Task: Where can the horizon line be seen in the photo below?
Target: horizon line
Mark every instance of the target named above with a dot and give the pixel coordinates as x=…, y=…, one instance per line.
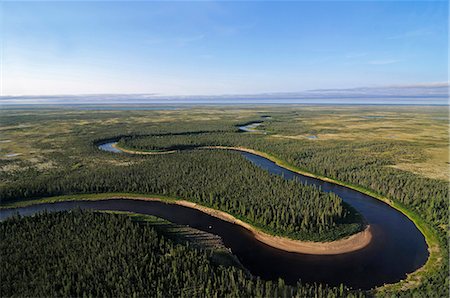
x=442, y=84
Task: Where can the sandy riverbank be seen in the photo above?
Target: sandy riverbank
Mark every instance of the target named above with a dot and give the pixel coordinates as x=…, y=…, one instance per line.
x=353, y=243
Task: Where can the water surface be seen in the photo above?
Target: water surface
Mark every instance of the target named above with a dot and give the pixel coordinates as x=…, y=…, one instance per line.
x=109, y=147
x=250, y=127
x=397, y=247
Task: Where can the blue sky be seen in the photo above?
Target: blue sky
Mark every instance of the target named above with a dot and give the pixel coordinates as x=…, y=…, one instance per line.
x=220, y=47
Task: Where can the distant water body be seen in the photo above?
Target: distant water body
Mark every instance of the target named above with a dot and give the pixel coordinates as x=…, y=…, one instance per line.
x=87, y=103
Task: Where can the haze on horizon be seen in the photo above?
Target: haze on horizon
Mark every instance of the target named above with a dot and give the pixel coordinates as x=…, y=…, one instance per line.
x=218, y=47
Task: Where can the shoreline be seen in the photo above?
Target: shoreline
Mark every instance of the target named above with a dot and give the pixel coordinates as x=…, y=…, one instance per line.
x=141, y=152
x=434, y=249
x=349, y=244
x=346, y=245
x=412, y=279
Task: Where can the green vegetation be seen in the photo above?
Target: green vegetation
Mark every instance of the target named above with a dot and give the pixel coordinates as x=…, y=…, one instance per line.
x=396, y=153
x=82, y=253
x=220, y=180
x=180, y=141
x=370, y=168
x=185, y=235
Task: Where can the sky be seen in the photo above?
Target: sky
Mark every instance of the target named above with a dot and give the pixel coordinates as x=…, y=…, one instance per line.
x=225, y=47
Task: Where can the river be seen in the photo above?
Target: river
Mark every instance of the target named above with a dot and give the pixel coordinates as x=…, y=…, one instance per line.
x=397, y=246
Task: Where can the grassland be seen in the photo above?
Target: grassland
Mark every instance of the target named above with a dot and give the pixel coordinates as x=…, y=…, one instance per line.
x=426, y=128
x=31, y=140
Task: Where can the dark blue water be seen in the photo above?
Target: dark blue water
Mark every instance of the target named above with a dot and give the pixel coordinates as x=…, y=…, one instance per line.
x=397, y=246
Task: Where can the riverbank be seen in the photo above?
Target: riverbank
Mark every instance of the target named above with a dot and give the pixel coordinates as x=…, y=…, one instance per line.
x=435, y=253
x=141, y=152
x=353, y=243
x=413, y=279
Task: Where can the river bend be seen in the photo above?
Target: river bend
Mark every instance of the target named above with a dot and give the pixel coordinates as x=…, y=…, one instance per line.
x=397, y=246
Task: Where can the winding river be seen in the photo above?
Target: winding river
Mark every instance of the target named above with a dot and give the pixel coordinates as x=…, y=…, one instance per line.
x=251, y=127
x=397, y=246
